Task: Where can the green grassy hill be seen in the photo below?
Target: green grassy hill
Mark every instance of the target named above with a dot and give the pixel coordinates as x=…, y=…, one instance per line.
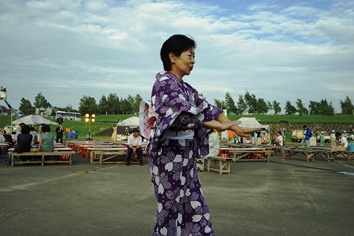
x=107, y=121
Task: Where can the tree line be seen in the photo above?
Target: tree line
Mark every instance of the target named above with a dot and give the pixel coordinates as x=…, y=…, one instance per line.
x=247, y=103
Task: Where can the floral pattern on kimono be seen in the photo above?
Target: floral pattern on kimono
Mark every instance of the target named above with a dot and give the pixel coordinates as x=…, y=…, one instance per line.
x=182, y=209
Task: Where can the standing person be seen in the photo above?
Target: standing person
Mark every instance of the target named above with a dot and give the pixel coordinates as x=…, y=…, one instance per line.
x=283, y=134
x=307, y=136
x=279, y=139
x=46, y=140
x=332, y=136
x=59, y=131
x=180, y=132
x=134, y=146
x=322, y=139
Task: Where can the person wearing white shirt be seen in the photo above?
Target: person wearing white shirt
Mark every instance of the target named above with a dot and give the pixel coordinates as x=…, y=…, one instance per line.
x=341, y=140
x=2, y=139
x=214, y=146
x=134, y=146
x=332, y=136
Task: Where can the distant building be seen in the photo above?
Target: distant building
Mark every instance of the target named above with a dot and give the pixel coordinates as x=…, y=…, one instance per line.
x=44, y=111
x=4, y=111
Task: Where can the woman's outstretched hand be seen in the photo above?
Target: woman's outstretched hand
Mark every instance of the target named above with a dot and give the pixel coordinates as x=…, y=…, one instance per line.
x=214, y=124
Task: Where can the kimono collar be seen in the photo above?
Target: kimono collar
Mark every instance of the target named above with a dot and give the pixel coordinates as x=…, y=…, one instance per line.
x=171, y=75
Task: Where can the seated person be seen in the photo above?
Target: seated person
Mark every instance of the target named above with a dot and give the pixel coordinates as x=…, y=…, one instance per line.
x=214, y=146
x=134, y=146
x=34, y=137
x=341, y=141
x=46, y=140
x=279, y=139
x=8, y=139
x=18, y=131
x=24, y=140
x=2, y=138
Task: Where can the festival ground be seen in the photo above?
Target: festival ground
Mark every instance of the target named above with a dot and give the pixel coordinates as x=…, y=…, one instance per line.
x=291, y=197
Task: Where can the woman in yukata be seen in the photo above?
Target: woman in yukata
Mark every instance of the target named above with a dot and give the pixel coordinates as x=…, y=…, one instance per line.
x=181, y=124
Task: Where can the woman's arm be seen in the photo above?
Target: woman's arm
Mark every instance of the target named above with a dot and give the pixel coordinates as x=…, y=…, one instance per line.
x=225, y=123
x=214, y=124
x=40, y=144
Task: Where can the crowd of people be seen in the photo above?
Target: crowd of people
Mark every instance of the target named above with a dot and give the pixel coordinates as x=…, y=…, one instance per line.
x=27, y=139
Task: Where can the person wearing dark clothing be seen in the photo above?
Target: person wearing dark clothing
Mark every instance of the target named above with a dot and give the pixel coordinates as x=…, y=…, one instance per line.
x=59, y=130
x=306, y=137
x=23, y=144
x=134, y=146
x=8, y=138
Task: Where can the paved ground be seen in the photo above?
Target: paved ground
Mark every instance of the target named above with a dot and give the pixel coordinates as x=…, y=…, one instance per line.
x=277, y=198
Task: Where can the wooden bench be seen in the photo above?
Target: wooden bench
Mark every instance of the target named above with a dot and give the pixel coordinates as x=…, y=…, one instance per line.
x=349, y=155
x=42, y=156
x=96, y=154
x=219, y=164
x=249, y=154
x=308, y=153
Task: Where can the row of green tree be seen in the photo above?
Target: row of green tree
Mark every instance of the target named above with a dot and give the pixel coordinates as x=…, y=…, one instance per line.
x=111, y=104
x=247, y=103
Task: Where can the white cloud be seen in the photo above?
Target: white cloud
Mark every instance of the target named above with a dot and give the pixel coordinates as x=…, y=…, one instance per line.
x=68, y=49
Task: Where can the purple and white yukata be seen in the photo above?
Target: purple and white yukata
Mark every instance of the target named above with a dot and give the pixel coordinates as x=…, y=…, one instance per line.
x=172, y=150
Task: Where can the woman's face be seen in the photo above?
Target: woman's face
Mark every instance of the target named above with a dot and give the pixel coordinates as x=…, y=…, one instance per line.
x=183, y=65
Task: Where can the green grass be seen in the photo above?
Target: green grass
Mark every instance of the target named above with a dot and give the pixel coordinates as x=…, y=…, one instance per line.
x=101, y=123
x=106, y=121
x=339, y=119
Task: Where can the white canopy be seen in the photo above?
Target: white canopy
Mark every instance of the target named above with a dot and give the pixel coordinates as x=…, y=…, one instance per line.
x=131, y=122
x=34, y=120
x=251, y=122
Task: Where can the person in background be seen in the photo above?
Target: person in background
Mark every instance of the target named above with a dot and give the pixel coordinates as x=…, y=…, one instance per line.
x=341, y=141
x=307, y=136
x=59, y=131
x=40, y=131
x=24, y=140
x=344, y=134
x=18, y=131
x=283, y=134
x=322, y=139
x=279, y=139
x=46, y=140
x=352, y=134
x=2, y=138
x=332, y=136
x=134, y=146
x=214, y=146
x=35, y=139
x=8, y=139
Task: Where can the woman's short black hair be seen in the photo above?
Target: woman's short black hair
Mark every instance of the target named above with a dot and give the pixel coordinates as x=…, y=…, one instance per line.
x=25, y=129
x=175, y=44
x=45, y=128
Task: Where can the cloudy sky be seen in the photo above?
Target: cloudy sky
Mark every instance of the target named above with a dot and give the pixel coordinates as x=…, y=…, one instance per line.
x=276, y=49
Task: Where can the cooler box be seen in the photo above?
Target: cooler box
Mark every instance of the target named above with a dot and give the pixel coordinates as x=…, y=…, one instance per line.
x=351, y=146
x=313, y=142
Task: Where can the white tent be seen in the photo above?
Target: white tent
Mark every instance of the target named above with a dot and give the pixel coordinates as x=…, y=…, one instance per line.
x=251, y=122
x=34, y=120
x=131, y=122
x=120, y=130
